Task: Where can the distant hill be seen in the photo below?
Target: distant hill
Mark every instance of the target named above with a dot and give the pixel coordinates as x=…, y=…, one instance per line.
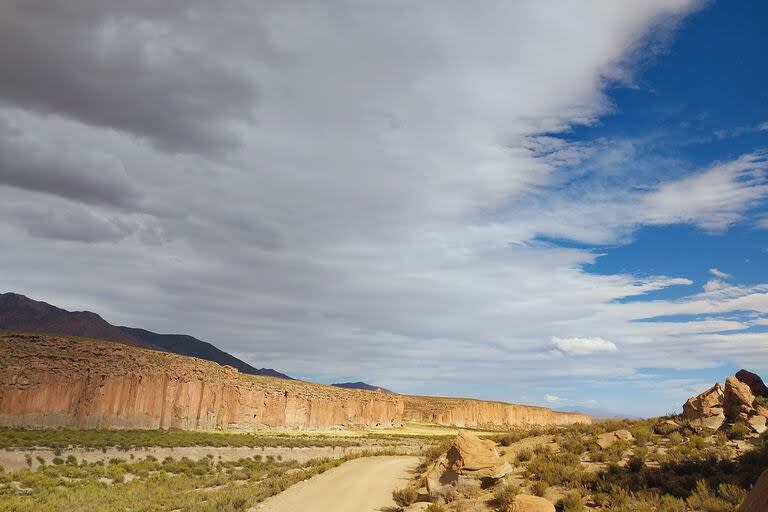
x=361, y=385
x=20, y=313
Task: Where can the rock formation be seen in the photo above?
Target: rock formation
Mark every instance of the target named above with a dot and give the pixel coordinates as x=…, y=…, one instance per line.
x=737, y=401
x=469, y=461
x=755, y=383
x=469, y=413
x=734, y=403
x=708, y=403
x=528, y=503
x=757, y=499
x=608, y=438
x=55, y=381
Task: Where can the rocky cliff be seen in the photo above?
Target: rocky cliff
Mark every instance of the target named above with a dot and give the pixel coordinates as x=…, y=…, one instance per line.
x=464, y=412
x=54, y=381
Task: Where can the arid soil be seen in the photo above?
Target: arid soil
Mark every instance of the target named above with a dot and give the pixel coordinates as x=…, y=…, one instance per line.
x=360, y=485
x=15, y=459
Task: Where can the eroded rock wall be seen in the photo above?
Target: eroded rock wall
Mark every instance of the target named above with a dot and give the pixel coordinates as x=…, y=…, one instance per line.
x=53, y=381
x=461, y=412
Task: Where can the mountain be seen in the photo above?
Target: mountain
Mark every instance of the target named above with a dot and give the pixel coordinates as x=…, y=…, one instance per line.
x=20, y=313
x=361, y=385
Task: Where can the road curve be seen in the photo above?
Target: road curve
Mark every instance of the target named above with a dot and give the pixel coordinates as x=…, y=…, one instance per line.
x=360, y=485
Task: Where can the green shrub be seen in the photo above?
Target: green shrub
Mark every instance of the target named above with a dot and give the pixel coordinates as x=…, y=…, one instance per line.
x=524, y=455
x=434, y=507
x=405, y=496
x=738, y=431
x=675, y=438
x=704, y=500
x=635, y=464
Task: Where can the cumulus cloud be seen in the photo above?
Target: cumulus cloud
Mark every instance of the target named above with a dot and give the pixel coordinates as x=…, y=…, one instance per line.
x=583, y=346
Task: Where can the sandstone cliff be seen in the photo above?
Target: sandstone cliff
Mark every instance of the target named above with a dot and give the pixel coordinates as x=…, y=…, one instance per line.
x=465, y=412
x=53, y=381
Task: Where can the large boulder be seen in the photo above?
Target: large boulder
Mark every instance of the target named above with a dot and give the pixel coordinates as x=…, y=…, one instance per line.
x=607, y=439
x=469, y=461
x=755, y=383
x=528, y=503
x=737, y=400
x=757, y=423
x=710, y=422
x=709, y=403
x=757, y=499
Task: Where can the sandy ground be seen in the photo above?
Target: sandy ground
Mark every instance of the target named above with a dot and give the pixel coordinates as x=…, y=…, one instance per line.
x=13, y=460
x=360, y=485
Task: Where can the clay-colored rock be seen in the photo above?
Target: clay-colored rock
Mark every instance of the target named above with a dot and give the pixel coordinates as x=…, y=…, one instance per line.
x=607, y=439
x=56, y=381
x=667, y=427
x=469, y=413
x=755, y=383
x=762, y=411
x=757, y=499
x=708, y=403
x=737, y=400
x=757, y=423
x=469, y=461
x=528, y=503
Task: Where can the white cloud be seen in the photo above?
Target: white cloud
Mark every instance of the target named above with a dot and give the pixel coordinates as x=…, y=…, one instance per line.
x=552, y=398
x=714, y=284
x=719, y=273
x=583, y=346
x=380, y=215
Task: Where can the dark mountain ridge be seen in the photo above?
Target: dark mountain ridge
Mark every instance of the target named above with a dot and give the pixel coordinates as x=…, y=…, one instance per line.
x=361, y=385
x=20, y=313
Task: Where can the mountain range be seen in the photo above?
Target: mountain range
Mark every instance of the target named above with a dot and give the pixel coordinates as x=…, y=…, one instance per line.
x=20, y=313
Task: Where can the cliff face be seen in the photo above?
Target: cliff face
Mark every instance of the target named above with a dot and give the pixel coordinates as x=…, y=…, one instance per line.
x=53, y=381
x=463, y=412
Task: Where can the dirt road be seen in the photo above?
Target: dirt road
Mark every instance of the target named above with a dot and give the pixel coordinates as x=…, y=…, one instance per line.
x=360, y=485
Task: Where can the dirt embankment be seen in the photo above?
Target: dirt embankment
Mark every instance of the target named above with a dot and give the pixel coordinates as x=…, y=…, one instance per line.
x=465, y=412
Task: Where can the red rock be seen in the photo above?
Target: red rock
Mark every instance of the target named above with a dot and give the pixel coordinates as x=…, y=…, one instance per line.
x=708, y=403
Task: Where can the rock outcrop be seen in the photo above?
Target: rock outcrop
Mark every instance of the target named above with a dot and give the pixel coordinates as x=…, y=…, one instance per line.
x=528, y=503
x=706, y=404
x=55, y=381
x=734, y=403
x=469, y=461
x=757, y=499
x=755, y=383
x=469, y=413
x=737, y=401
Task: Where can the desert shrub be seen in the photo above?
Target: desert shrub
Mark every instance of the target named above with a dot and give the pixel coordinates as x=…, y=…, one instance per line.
x=557, y=469
x=570, y=503
x=573, y=443
x=524, y=455
x=697, y=442
x=642, y=434
x=434, y=507
x=675, y=438
x=468, y=491
x=58, y=461
x=704, y=499
x=405, y=496
x=538, y=488
x=504, y=494
x=635, y=464
x=732, y=493
x=738, y=431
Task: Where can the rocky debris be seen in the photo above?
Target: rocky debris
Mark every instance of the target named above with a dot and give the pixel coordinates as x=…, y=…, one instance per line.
x=757, y=499
x=709, y=403
x=755, y=383
x=737, y=400
x=528, y=503
x=469, y=461
x=607, y=439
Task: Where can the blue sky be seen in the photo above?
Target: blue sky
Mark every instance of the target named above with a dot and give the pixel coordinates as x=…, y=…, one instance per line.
x=552, y=203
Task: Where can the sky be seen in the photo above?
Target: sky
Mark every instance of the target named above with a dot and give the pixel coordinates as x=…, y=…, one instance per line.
x=543, y=202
